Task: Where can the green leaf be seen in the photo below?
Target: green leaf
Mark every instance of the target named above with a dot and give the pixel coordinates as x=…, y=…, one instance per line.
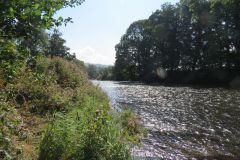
x=60, y=19
x=36, y=6
x=38, y=13
x=11, y=12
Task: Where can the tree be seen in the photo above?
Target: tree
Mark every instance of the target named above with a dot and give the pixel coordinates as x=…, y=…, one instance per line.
x=92, y=71
x=37, y=45
x=131, y=50
x=165, y=30
x=191, y=36
x=21, y=18
x=57, y=45
x=22, y=30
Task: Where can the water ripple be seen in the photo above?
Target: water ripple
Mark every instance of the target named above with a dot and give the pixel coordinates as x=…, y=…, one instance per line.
x=183, y=122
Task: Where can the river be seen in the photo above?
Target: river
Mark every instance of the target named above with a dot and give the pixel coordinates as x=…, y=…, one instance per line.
x=182, y=122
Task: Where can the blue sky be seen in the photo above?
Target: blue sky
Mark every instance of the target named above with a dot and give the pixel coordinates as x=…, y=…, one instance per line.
x=99, y=24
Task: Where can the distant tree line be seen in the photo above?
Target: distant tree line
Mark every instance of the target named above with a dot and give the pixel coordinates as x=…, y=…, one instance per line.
x=193, y=39
x=100, y=72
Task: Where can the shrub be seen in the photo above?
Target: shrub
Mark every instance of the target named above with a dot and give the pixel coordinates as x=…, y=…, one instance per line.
x=84, y=126
x=51, y=85
x=89, y=132
x=11, y=60
x=130, y=124
x=68, y=73
x=10, y=132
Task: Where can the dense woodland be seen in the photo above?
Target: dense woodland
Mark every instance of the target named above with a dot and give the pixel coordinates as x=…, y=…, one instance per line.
x=48, y=108
x=190, y=42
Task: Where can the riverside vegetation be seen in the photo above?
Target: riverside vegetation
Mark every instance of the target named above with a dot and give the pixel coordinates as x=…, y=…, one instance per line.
x=48, y=108
x=100, y=72
x=192, y=42
x=79, y=124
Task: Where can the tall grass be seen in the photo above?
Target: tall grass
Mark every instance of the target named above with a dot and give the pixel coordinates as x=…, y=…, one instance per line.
x=88, y=132
x=81, y=124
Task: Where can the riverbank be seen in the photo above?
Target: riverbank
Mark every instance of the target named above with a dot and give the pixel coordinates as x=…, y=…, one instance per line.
x=229, y=79
x=162, y=84
x=201, y=78
x=52, y=111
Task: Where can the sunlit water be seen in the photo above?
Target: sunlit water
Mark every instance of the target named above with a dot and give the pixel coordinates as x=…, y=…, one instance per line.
x=182, y=122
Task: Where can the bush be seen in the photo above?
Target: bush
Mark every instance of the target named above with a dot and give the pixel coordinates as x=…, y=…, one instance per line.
x=84, y=126
x=51, y=85
x=130, y=124
x=10, y=132
x=89, y=132
x=11, y=60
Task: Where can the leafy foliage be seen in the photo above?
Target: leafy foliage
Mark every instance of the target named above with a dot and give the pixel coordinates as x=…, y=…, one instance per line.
x=33, y=87
x=9, y=126
x=49, y=86
x=82, y=125
x=11, y=61
x=57, y=46
x=21, y=18
x=191, y=36
x=85, y=133
x=22, y=34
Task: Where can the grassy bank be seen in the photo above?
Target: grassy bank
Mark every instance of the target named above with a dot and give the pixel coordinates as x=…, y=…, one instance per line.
x=51, y=111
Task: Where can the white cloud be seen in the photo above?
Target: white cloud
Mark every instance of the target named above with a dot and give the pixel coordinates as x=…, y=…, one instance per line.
x=89, y=55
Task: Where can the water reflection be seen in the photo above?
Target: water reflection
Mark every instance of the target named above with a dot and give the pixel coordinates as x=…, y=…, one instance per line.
x=183, y=122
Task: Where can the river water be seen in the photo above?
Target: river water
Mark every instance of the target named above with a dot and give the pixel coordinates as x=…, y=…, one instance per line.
x=182, y=122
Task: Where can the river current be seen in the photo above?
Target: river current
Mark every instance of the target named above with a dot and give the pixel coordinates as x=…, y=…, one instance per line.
x=182, y=122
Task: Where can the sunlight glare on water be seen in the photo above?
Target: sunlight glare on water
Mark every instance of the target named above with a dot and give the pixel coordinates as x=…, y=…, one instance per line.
x=182, y=122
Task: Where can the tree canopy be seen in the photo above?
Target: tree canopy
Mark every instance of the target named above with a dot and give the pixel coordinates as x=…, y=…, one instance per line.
x=189, y=36
x=23, y=17
x=23, y=25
